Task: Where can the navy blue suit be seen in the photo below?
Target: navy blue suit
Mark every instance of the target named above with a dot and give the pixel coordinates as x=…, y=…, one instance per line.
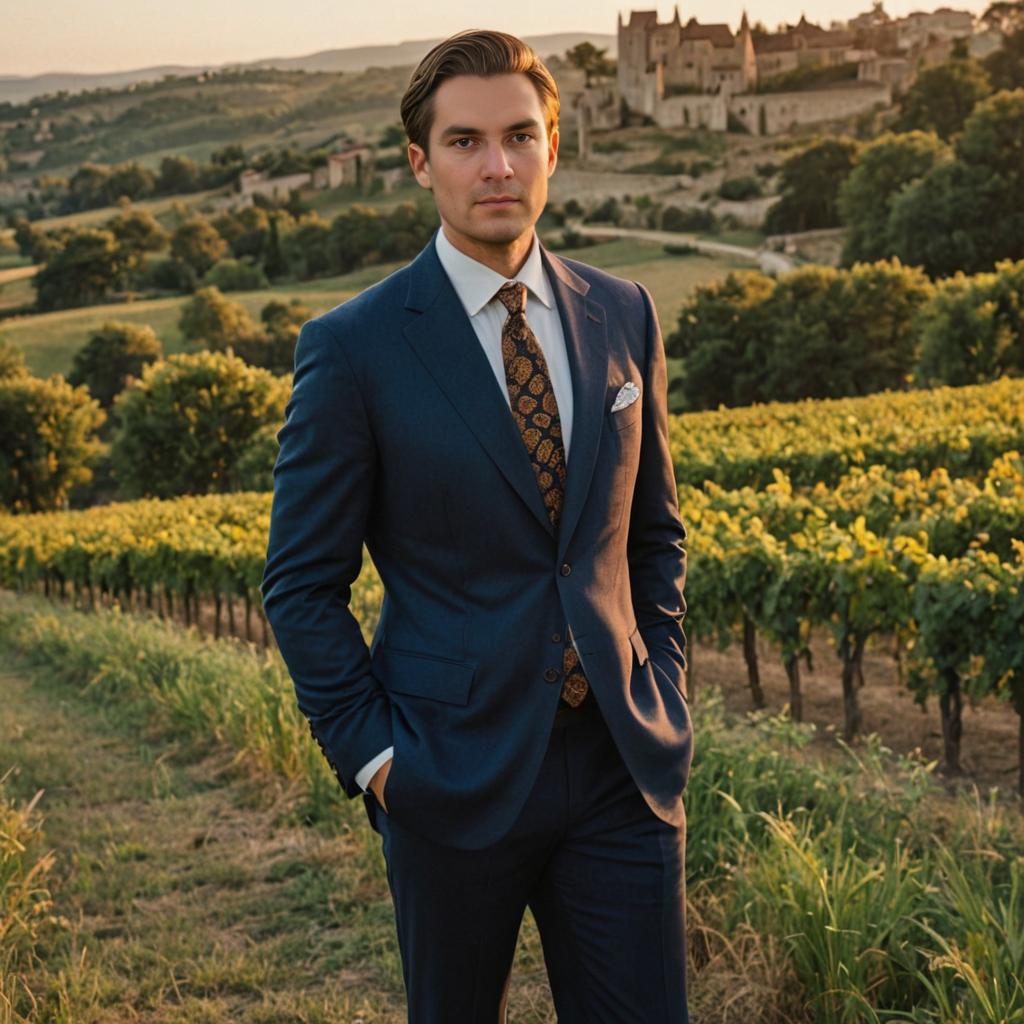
x=396, y=434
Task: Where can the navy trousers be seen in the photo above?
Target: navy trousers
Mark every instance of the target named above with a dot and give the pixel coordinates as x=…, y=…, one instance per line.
x=602, y=874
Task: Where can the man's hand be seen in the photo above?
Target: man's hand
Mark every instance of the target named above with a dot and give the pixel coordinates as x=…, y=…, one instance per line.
x=380, y=777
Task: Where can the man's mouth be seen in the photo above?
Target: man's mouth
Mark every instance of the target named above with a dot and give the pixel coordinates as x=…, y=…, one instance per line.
x=499, y=201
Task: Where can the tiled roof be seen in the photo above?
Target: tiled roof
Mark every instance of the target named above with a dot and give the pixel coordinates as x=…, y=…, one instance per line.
x=719, y=33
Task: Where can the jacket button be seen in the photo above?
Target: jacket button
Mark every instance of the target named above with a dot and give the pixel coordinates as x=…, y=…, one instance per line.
x=551, y=674
x=566, y=569
x=556, y=638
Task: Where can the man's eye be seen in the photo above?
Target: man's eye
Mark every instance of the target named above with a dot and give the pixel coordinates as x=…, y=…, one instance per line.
x=457, y=141
x=522, y=136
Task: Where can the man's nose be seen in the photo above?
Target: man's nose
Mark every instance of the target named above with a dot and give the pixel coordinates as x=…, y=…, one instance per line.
x=496, y=163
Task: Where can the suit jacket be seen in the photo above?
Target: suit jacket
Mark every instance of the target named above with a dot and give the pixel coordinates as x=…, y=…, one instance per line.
x=396, y=434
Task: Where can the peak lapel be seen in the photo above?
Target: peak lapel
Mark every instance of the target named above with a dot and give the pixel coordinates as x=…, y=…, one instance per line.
x=586, y=342
x=445, y=342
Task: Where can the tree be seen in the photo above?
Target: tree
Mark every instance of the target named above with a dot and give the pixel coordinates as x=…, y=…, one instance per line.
x=216, y=322
x=129, y=179
x=178, y=174
x=273, y=348
x=883, y=168
x=972, y=330
x=12, y=360
x=993, y=136
x=49, y=431
x=968, y=213
x=283, y=321
x=307, y=248
x=197, y=244
x=246, y=231
x=185, y=426
x=138, y=233
x=113, y=354
x=90, y=265
x=392, y=135
x=236, y=276
x=274, y=263
x=943, y=96
x=1005, y=16
x=228, y=156
x=842, y=332
x=809, y=183
x=87, y=188
x=816, y=332
x=591, y=61
x=1005, y=67
x=722, y=337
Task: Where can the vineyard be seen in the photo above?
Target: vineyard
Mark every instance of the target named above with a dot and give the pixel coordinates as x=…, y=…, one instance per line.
x=896, y=517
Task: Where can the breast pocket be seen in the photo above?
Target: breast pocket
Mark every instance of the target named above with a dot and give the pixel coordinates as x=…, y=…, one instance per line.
x=622, y=418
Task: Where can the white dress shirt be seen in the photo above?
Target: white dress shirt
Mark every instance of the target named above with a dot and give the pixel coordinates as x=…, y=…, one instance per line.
x=476, y=286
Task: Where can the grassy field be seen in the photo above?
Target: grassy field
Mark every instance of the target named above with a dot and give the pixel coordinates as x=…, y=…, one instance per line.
x=209, y=869
x=50, y=340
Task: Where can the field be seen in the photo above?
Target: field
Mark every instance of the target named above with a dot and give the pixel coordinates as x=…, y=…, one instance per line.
x=50, y=340
x=206, y=868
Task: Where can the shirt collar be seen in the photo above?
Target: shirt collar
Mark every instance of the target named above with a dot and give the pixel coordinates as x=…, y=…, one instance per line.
x=476, y=284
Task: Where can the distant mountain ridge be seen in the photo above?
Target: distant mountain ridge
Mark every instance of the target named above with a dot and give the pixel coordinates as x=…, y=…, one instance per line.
x=19, y=88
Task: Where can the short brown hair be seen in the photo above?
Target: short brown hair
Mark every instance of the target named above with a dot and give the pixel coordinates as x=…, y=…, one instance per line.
x=481, y=52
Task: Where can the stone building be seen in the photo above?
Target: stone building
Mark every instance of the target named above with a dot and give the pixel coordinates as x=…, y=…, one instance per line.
x=705, y=75
x=660, y=61
x=350, y=167
x=804, y=45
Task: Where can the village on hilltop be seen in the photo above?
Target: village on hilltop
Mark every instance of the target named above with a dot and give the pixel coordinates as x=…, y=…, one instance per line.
x=697, y=74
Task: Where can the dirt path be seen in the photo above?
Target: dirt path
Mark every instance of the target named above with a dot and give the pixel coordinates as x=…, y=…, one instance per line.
x=191, y=896
x=769, y=261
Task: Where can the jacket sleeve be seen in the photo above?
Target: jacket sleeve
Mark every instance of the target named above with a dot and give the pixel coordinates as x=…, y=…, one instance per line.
x=323, y=488
x=655, y=546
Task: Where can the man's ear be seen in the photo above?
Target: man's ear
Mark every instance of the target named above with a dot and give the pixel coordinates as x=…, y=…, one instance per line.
x=419, y=164
x=552, y=150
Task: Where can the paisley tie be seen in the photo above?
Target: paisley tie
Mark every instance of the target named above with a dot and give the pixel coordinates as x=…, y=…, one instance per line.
x=535, y=412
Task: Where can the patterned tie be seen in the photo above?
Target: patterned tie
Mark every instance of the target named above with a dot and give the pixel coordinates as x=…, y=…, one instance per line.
x=535, y=412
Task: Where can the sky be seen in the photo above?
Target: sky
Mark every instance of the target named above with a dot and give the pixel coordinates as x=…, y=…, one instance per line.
x=120, y=35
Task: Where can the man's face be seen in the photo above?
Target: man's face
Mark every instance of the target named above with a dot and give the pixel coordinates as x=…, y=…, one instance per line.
x=490, y=160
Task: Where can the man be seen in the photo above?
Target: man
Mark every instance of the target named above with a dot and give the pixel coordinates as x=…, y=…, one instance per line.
x=491, y=421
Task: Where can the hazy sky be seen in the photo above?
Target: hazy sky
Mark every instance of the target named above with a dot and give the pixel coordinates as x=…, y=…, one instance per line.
x=115, y=35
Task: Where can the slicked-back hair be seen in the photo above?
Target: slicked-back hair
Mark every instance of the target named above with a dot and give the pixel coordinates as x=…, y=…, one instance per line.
x=482, y=52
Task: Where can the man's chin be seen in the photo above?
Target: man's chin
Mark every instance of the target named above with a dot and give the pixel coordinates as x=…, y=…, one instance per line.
x=504, y=232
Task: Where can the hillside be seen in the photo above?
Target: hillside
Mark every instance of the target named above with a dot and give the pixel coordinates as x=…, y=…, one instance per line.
x=21, y=88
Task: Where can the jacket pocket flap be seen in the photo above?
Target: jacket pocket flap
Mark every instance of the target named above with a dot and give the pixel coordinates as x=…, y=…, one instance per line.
x=638, y=645
x=424, y=675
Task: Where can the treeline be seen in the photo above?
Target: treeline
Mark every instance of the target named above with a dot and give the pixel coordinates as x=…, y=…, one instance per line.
x=95, y=185
x=240, y=249
x=819, y=332
x=945, y=191
x=193, y=423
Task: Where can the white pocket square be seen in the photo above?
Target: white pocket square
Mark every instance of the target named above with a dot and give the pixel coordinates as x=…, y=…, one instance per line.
x=627, y=395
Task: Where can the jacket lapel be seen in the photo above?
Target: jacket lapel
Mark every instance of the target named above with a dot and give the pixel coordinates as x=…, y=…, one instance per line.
x=586, y=342
x=445, y=342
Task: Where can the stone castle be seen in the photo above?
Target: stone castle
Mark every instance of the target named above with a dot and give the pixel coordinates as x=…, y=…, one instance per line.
x=692, y=74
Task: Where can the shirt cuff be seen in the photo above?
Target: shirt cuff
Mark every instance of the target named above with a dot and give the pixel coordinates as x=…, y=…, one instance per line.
x=369, y=769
